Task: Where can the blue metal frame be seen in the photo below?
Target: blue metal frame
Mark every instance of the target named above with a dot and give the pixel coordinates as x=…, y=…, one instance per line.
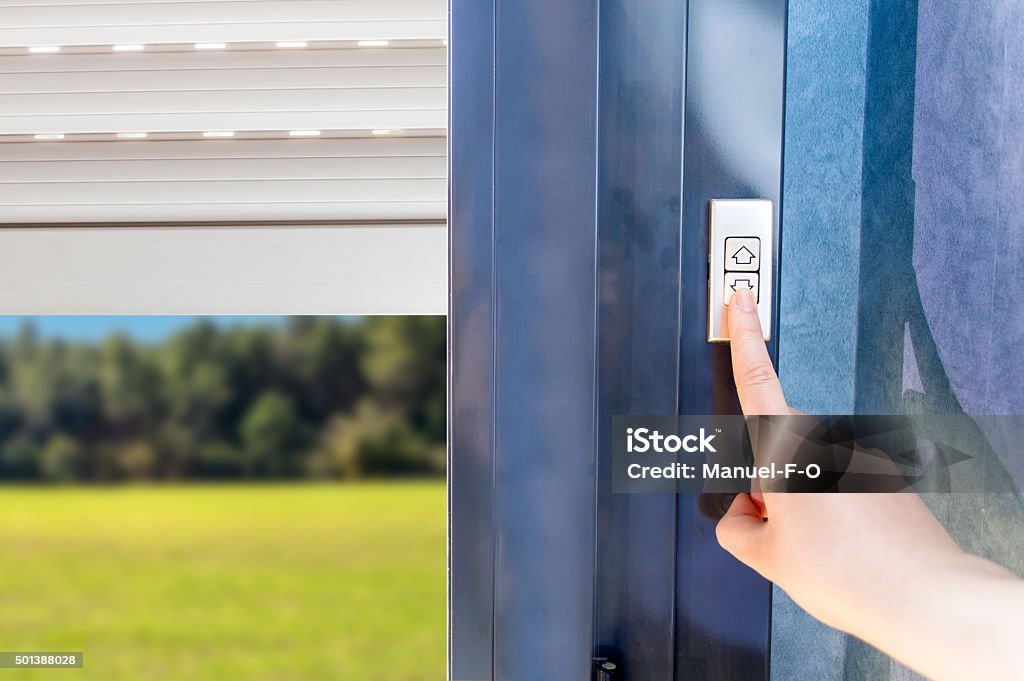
x=640, y=141
x=735, y=89
x=578, y=242
x=471, y=343
x=523, y=87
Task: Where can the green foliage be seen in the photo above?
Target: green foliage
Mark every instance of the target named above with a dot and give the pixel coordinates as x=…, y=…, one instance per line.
x=310, y=396
x=373, y=442
x=60, y=458
x=219, y=459
x=135, y=460
x=270, y=435
x=128, y=381
x=402, y=366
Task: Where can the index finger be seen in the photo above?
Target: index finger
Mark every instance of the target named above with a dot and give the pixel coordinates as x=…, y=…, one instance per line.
x=756, y=381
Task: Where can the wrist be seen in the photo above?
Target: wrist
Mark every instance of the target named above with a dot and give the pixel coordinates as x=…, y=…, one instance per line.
x=902, y=592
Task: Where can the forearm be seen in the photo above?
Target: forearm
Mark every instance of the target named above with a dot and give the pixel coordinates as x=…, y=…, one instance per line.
x=878, y=566
x=955, y=621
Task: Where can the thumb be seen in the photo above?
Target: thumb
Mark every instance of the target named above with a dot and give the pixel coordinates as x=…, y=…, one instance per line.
x=741, y=530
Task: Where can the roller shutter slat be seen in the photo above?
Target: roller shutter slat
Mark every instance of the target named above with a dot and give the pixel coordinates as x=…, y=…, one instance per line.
x=208, y=21
x=221, y=102
x=343, y=80
x=230, y=60
x=215, y=211
x=226, y=149
x=393, y=168
x=433, y=119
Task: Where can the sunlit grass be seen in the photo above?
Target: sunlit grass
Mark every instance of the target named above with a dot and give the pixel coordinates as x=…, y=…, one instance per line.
x=242, y=583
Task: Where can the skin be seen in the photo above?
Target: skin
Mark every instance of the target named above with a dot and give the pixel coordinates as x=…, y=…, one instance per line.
x=877, y=566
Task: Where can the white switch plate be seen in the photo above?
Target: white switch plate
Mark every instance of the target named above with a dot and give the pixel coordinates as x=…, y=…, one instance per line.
x=738, y=219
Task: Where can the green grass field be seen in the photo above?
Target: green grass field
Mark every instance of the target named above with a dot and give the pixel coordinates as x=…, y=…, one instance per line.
x=234, y=583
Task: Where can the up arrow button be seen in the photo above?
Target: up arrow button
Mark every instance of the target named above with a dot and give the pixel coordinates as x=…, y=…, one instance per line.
x=742, y=254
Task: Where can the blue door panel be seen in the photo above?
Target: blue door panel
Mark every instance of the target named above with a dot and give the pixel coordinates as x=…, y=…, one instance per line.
x=918, y=193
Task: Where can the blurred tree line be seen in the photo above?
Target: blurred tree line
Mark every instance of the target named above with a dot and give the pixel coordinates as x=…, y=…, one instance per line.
x=321, y=397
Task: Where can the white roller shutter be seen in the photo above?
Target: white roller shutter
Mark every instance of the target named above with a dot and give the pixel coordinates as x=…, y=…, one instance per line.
x=71, y=121
x=158, y=122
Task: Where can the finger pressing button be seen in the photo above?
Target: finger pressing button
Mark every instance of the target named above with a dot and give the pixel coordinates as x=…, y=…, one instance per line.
x=734, y=281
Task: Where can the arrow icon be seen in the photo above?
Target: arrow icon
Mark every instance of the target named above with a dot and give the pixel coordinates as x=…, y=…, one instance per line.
x=748, y=284
x=744, y=256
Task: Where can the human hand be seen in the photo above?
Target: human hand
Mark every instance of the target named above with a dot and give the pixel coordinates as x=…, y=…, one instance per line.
x=879, y=566
x=819, y=547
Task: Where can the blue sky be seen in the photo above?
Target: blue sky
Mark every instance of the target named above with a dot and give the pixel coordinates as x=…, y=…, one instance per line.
x=141, y=327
